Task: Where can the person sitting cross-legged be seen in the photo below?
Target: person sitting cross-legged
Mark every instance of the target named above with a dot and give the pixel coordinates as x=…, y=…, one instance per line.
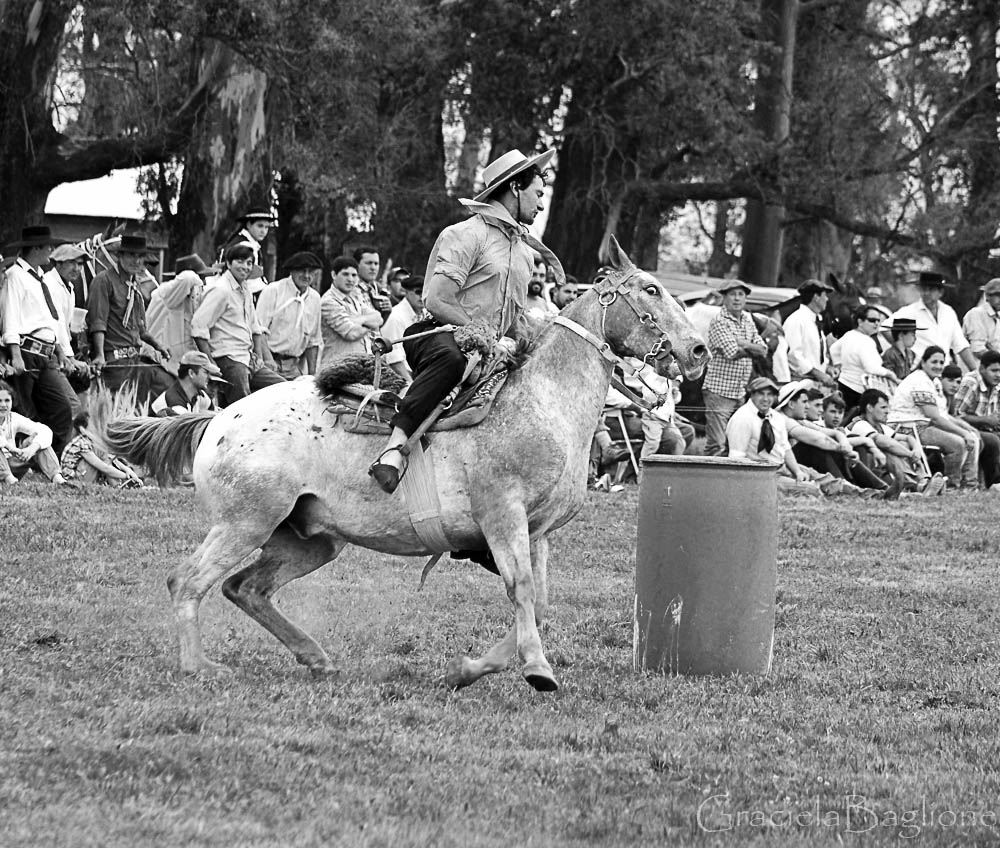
x=25, y=445
x=755, y=431
x=901, y=451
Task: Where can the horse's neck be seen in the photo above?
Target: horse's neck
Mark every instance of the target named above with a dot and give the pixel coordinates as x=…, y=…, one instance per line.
x=571, y=371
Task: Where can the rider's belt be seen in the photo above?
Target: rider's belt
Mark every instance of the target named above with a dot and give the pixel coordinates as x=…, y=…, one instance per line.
x=281, y=357
x=124, y=352
x=31, y=344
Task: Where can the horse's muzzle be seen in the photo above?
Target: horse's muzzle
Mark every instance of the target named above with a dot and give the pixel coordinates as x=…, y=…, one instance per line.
x=693, y=365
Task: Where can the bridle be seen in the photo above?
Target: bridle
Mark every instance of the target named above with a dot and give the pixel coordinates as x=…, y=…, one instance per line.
x=607, y=293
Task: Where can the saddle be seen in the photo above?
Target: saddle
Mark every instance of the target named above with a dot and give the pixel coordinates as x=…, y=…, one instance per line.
x=352, y=396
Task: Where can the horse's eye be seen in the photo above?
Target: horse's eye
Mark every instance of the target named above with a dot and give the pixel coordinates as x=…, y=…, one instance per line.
x=653, y=290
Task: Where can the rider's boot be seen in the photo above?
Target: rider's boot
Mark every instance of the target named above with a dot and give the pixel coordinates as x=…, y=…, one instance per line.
x=390, y=465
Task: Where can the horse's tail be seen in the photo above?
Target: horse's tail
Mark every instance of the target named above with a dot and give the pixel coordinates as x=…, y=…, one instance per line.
x=164, y=445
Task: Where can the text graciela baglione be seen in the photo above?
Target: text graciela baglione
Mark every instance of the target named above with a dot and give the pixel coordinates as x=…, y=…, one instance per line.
x=854, y=814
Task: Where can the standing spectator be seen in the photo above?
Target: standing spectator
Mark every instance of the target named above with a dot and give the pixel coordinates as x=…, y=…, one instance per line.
x=858, y=356
x=808, y=355
x=755, y=431
x=189, y=392
x=734, y=341
x=348, y=318
x=981, y=324
x=289, y=309
x=173, y=305
x=403, y=314
x=393, y=281
x=940, y=325
x=368, y=264
x=899, y=357
x=255, y=224
x=565, y=294
x=61, y=281
x=31, y=330
x=116, y=317
x=918, y=400
x=226, y=328
x=977, y=403
x=25, y=445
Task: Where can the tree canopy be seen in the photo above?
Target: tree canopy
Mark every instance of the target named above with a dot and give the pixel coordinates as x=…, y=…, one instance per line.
x=861, y=136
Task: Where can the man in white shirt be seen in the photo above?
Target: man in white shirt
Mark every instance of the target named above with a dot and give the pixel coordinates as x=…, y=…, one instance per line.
x=290, y=311
x=808, y=355
x=61, y=280
x=31, y=331
x=174, y=303
x=981, y=324
x=755, y=431
x=937, y=322
x=403, y=314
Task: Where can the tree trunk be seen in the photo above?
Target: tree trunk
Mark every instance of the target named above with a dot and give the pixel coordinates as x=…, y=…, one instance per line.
x=27, y=63
x=760, y=261
x=228, y=163
x=721, y=261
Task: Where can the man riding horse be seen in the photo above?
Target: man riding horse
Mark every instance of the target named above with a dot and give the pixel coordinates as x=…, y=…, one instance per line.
x=477, y=277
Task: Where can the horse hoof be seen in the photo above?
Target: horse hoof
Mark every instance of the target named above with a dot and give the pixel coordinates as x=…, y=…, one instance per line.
x=539, y=675
x=456, y=673
x=322, y=672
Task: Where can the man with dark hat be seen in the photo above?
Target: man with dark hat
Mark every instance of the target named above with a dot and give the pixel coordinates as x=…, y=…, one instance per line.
x=255, y=224
x=899, y=357
x=478, y=272
x=981, y=324
x=939, y=324
x=289, y=309
x=734, y=341
x=116, y=318
x=31, y=331
x=808, y=354
x=174, y=303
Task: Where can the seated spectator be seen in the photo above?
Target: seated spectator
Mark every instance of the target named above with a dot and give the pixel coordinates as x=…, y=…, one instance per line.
x=977, y=403
x=189, y=392
x=858, y=357
x=870, y=454
x=899, y=357
x=83, y=462
x=25, y=445
x=901, y=451
x=773, y=364
x=919, y=401
x=755, y=431
x=824, y=450
x=347, y=314
x=951, y=377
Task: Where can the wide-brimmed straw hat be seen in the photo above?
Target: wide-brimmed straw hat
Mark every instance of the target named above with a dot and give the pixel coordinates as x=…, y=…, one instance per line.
x=512, y=163
x=790, y=390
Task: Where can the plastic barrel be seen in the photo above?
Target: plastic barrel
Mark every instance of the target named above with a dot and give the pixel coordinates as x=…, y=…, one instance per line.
x=705, y=566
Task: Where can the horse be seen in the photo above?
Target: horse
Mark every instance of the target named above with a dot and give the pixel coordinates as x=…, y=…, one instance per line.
x=274, y=472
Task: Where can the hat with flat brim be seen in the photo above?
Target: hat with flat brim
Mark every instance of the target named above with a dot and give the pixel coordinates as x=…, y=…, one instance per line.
x=810, y=287
x=790, y=390
x=902, y=325
x=729, y=285
x=193, y=262
x=132, y=244
x=512, y=163
x=930, y=279
x=257, y=214
x=35, y=236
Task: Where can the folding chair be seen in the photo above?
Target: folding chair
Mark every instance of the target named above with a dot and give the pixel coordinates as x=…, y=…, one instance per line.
x=620, y=417
x=911, y=428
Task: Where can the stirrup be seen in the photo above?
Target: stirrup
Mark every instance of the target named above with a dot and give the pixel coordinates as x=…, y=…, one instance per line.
x=388, y=476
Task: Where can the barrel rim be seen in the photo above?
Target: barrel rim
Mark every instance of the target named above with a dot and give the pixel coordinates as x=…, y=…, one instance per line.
x=716, y=461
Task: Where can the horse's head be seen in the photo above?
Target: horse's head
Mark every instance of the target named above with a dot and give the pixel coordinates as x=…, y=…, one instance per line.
x=641, y=318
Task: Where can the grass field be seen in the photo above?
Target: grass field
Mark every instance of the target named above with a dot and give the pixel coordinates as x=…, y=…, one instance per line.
x=877, y=725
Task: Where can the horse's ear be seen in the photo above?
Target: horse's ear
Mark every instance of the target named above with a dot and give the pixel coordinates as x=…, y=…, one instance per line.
x=615, y=256
x=834, y=281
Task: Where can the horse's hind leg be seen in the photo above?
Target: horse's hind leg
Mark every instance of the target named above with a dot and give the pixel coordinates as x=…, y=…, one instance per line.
x=464, y=671
x=223, y=548
x=283, y=558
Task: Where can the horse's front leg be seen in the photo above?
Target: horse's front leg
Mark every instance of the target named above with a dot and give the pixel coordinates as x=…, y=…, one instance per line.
x=507, y=535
